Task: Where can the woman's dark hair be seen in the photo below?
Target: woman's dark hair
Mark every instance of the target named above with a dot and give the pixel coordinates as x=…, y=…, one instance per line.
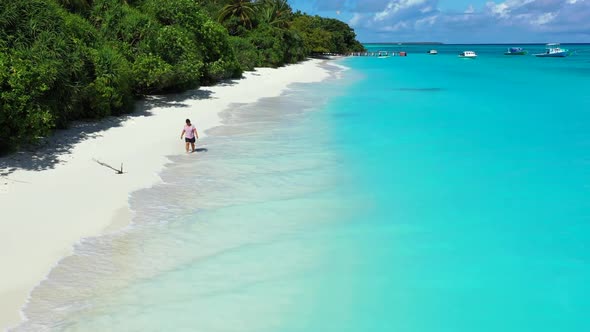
x=188, y=121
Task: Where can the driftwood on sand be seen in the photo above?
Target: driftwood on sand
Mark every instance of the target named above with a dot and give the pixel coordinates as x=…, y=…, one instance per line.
x=117, y=171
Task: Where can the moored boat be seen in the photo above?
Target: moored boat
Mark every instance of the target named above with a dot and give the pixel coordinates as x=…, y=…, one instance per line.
x=468, y=55
x=433, y=52
x=516, y=51
x=554, y=51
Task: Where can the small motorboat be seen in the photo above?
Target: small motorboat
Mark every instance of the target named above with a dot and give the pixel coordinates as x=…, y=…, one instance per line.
x=433, y=52
x=468, y=55
x=554, y=51
x=516, y=51
x=383, y=54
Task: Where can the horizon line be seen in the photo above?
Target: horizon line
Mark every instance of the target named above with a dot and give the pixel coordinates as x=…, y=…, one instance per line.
x=441, y=43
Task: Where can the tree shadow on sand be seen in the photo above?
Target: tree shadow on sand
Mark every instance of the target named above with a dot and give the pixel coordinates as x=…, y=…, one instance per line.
x=48, y=152
x=228, y=82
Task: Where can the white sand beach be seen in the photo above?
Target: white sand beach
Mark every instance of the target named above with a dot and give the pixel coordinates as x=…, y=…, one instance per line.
x=52, y=198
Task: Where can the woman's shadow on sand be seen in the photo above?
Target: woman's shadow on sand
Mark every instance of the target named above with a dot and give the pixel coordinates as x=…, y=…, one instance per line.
x=200, y=150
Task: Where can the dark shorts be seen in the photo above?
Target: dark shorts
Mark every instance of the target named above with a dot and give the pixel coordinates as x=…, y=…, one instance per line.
x=189, y=140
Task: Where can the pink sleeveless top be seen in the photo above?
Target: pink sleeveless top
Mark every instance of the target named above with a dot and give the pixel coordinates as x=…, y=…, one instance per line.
x=189, y=131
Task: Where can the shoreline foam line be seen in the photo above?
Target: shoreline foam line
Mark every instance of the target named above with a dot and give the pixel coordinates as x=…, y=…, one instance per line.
x=46, y=212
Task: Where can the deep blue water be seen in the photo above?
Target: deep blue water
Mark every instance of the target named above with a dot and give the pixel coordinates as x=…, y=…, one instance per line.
x=418, y=193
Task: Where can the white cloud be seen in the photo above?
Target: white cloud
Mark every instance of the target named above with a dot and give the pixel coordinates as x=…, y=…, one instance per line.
x=501, y=10
x=427, y=9
x=395, y=6
x=396, y=27
x=544, y=19
x=498, y=20
x=426, y=22
x=356, y=19
x=532, y=13
x=507, y=8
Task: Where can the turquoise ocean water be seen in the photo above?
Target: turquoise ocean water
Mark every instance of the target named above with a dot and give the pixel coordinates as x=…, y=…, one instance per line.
x=419, y=193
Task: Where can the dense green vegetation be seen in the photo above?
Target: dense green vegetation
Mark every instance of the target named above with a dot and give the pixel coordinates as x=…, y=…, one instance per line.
x=62, y=60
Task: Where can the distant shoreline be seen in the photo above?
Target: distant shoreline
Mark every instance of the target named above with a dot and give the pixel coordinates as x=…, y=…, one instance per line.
x=408, y=43
x=451, y=44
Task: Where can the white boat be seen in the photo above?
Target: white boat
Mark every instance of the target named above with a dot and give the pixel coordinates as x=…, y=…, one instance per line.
x=516, y=51
x=433, y=52
x=468, y=55
x=383, y=54
x=554, y=51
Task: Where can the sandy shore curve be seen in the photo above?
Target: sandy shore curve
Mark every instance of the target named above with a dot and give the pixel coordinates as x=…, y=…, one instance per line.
x=52, y=198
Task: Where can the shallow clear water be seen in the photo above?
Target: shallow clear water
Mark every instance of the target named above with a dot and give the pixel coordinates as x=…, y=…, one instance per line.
x=419, y=193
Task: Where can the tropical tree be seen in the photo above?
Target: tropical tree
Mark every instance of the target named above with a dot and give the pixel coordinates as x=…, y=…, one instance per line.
x=81, y=6
x=241, y=9
x=62, y=60
x=277, y=13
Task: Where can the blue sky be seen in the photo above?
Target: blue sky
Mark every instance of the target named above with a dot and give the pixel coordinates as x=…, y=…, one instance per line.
x=459, y=21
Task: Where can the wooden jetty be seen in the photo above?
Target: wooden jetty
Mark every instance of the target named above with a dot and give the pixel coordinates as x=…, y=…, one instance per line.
x=378, y=54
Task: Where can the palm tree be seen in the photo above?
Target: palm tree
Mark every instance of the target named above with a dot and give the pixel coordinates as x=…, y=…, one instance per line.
x=275, y=12
x=242, y=9
x=76, y=5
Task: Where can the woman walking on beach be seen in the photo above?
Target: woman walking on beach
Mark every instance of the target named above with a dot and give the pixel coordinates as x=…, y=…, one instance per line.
x=190, y=134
